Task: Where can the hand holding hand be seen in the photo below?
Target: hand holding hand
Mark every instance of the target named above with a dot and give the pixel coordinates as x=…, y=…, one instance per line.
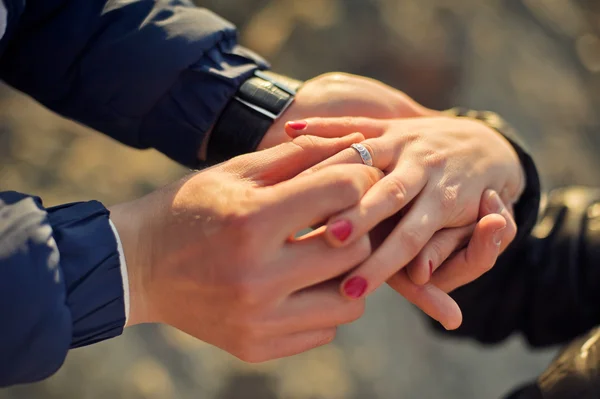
x=437, y=171
x=211, y=254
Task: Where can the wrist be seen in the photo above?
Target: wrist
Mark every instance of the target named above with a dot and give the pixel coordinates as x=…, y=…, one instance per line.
x=131, y=236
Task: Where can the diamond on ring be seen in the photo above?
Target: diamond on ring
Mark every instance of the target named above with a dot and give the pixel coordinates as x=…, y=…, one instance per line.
x=365, y=155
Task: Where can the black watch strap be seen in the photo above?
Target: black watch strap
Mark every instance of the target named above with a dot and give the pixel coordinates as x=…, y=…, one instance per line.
x=260, y=101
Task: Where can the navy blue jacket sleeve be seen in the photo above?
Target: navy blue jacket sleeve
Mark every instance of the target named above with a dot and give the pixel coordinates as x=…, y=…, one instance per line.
x=149, y=73
x=60, y=284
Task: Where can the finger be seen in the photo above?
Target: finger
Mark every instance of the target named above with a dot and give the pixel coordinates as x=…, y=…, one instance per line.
x=401, y=246
x=493, y=233
x=491, y=203
x=311, y=261
x=299, y=203
x=448, y=241
x=316, y=308
x=441, y=246
x=430, y=299
x=386, y=198
x=289, y=345
x=287, y=160
x=383, y=155
x=336, y=127
x=473, y=261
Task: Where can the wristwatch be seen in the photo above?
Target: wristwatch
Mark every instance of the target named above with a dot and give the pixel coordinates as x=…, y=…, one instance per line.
x=259, y=102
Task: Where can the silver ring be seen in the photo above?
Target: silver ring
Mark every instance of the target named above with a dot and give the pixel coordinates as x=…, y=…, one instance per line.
x=365, y=155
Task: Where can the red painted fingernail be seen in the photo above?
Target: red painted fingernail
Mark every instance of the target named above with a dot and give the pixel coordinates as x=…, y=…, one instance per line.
x=430, y=268
x=297, y=125
x=355, y=287
x=341, y=229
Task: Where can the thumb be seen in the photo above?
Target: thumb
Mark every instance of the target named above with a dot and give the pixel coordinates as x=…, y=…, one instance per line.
x=283, y=162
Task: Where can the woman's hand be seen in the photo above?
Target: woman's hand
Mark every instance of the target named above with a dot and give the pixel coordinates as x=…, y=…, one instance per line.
x=340, y=94
x=210, y=254
x=437, y=171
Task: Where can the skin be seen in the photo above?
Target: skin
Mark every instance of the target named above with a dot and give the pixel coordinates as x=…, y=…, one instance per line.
x=211, y=255
x=220, y=238
x=343, y=95
x=439, y=172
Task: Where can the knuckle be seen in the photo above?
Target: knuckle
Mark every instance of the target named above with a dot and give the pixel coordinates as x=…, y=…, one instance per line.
x=356, y=311
x=250, y=330
x=347, y=186
x=306, y=143
x=448, y=197
x=241, y=227
x=412, y=240
x=245, y=291
x=396, y=192
x=435, y=254
x=361, y=249
x=240, y=222
x=248, y=353
x=483, y=267
x=347, y=122
x=434, y=159
x=379, y=263
x=325, y=338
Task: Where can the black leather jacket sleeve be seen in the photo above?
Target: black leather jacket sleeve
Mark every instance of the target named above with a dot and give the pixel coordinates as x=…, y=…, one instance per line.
x=572, y=374
x=547, y=286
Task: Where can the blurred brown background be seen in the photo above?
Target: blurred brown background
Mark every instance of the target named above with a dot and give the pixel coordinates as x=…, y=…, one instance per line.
x=536, y=62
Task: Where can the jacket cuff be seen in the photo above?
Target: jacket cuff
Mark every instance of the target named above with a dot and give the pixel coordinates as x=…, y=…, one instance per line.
x=180, y=120
x=91, y=269
x=527, y=208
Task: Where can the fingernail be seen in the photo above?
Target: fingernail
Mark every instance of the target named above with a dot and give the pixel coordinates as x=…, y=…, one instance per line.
x=497, y=237
x=430, y=268
x=297, y=125
x=341, y=229
x=355, y=287
x=495, y=203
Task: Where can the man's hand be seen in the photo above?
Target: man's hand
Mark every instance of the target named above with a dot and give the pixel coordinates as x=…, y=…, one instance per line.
x=211, y=254
x=339, y=94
